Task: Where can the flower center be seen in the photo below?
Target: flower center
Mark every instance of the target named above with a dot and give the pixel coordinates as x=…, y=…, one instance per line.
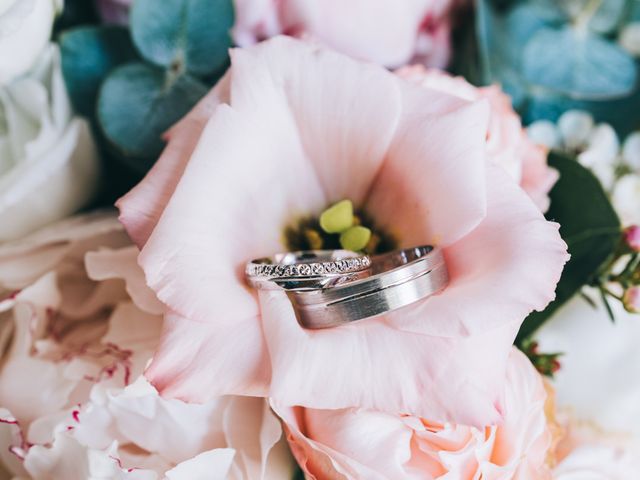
x=339, y=227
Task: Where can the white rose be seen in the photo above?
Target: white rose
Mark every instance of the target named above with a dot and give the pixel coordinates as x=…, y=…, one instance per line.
x=48, y=163
x=25, y=28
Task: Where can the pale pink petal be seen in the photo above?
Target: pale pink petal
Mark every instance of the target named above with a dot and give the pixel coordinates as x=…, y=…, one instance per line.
x=122, y=264
x=261, y=456
x=317, y=460
x=67, y=458
x=344, y=112
x=384, y=368
x=384, y=32
x=197, y=361
x=12, y=445
x=211, y=465
x=537, y=177
x=141, y=208
x=23, y=261
x=504, y=269
x=431, y=189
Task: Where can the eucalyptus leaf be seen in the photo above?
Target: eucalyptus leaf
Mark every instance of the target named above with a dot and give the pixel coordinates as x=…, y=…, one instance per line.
x=187, y=35
x=138, y=103
x=588, y=224
x=88, y=55
x=609, y=15
x=578, y=63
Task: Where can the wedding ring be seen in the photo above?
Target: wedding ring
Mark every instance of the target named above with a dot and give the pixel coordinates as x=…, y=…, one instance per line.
x=310, y=269
x=395, y=280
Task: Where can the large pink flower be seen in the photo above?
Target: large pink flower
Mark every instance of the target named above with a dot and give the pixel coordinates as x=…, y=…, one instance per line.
x=384, y=32
x=507, y=143
x=352, y=444
x=289, y=130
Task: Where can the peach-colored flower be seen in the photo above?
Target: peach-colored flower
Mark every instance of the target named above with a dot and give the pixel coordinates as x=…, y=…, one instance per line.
x=291, y=129
x=384, y=32
x=77, y=327
x=354, y=444
x=507, y=143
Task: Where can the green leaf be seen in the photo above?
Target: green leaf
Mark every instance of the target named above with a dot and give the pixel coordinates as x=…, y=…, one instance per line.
x=589, y=225
x=138, y=103
x=88, y=55
x=187, y=35
x=578, y=63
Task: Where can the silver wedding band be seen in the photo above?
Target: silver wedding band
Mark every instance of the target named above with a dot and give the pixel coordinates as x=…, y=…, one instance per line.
x=378, y=285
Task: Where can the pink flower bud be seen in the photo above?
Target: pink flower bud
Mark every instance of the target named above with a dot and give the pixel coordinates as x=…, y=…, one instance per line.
x=632, y=237
x=631, y=299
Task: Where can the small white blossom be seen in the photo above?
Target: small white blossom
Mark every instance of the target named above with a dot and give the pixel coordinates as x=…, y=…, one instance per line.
x=575, y=128
x=626, y=199
x=631, y=151
x=629, y=38
x=544, y=132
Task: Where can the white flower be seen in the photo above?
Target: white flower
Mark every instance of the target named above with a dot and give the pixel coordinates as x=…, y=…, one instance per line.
x=544, y=132
x=629, y=38
x=77, y=328
x=631, y=151
x=25, y=28
x=626, y=199
x=575, y=127
x=48, y=163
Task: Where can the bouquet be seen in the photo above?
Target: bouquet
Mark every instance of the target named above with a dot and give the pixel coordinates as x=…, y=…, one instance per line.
x=303, y=239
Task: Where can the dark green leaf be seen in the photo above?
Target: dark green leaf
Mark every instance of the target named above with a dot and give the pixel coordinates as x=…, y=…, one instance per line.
x=88, y=55
x=588, y=224
x=189, y=35
x=578, y=63
x=138, y=103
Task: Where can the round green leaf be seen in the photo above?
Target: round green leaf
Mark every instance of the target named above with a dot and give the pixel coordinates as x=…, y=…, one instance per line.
x=138, y=103
x=189, y=35
x=88, y=55
x=578, y=63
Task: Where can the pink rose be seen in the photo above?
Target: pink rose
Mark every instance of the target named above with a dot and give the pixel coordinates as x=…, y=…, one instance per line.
x=507, y=143
x=78, y=327
x=387, y=33
x=357, y=444
x=291, y=129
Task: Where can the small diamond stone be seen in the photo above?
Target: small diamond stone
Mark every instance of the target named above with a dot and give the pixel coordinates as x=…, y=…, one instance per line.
x=279, y=270
x=304, y=269
x=317, y=268
x=332, y=267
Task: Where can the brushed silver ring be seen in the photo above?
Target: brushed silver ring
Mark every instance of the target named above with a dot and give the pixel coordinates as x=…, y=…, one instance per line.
x=395, y=280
